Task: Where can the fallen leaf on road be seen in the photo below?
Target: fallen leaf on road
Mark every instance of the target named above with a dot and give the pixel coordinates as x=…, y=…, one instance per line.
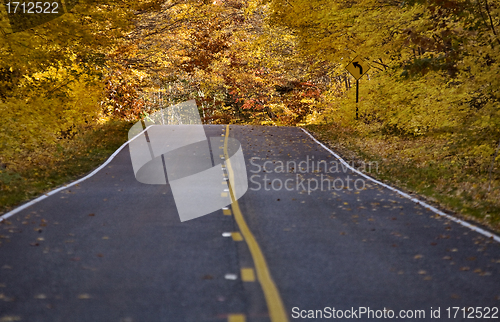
x=464, y=268
x=89, y=268
x=6, y=298
x=84, y=296
x=10, y=318
x=422, y=272
x=418, y=256
x=41, y=296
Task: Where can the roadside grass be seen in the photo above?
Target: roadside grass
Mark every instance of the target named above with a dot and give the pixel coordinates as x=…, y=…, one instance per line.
x=429, y=166
x=69, y=160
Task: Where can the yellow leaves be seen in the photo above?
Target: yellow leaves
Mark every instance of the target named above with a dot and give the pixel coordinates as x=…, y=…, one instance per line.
x=483, y=150
x=51, y=101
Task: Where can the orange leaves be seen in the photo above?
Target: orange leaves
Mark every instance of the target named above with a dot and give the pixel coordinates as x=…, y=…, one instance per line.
x=248, y=104
x=122, y=96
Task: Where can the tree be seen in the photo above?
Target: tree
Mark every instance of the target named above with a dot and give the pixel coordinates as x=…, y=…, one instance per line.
x=51, y=75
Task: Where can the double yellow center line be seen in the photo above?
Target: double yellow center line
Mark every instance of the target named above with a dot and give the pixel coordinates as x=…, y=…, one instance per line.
x=275, y=305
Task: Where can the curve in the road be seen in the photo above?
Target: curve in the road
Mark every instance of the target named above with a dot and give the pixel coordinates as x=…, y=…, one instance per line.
x=433, y=209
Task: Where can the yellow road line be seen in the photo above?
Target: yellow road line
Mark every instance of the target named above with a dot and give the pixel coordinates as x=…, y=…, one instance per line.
x=236, y=236
x=236, y=318
x=247, y=274
x=275, y=305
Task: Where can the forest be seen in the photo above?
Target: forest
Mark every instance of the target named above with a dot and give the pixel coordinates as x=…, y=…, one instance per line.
x=429, y=106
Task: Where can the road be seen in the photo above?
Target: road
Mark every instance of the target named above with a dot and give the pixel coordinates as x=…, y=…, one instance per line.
x=114, y=249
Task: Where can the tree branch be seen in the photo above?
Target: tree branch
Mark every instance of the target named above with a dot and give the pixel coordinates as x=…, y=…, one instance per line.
x=491, y=20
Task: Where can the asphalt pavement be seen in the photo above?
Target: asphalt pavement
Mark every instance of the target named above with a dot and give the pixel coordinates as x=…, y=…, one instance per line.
x=309, y=239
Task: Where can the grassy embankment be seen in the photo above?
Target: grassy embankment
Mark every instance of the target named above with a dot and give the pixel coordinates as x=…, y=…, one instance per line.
x=428, y=165
x=69, y=160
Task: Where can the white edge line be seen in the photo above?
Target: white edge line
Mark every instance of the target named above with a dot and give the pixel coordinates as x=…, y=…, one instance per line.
x=50, y=193
x=437, y=211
